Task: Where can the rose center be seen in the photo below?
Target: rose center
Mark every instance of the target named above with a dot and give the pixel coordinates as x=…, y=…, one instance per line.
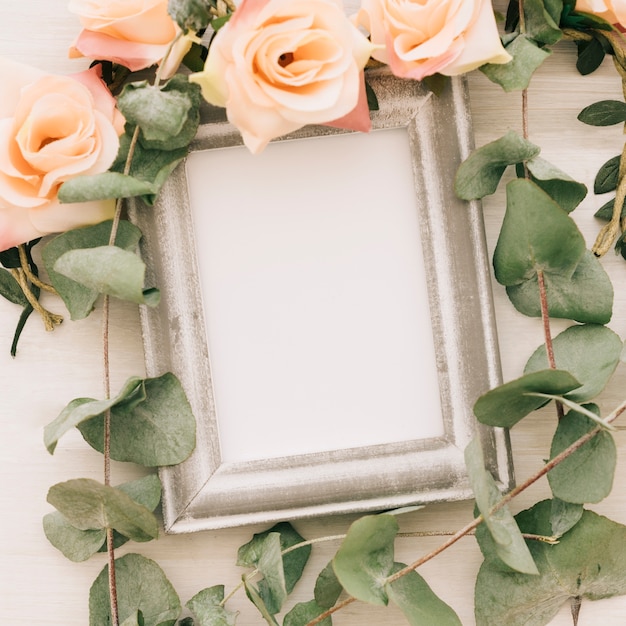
x=285, y=59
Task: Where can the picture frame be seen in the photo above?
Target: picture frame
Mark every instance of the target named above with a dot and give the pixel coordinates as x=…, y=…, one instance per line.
x=222, y=486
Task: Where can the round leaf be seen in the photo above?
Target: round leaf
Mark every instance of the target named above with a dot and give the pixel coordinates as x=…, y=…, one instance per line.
x=590, y=352
x=365, y=558
x=141, y=586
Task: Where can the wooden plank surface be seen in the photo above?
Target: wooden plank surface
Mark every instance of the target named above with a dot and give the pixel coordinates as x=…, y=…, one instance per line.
x=38, y=586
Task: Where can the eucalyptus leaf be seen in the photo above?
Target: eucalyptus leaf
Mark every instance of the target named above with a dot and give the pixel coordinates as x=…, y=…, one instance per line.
x=109, y=270
x=480, y=173
x=586, y=296
x=303, y=612
x=509, y=544
x=589, y=352
x=135, y=619
x=562, y=188
x=190, y=15
x=75, y=544
x=540, y=25
x=536, y=235
x=104, y=186
x=604, y=113
x=588, y=562
x=82, y=409
x=507, y=404
x=141, y=586
x=420, y=605
x=564, y=516
x=10, y=289
x=159, y=113
x=158, y=431
x=90, y=505
x=607, y=177
x=257, y=600
x=516, y=74
x=207, y=608
x=78, y=298
x=327, y=587
x=587, y=474
x=365, y=558
x=605, y=212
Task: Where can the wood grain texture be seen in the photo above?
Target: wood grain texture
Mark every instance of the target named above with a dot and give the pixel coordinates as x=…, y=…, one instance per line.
x=38, y=586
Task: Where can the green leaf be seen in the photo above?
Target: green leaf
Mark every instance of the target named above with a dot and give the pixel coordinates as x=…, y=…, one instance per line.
x=10, y=289
x=141, y=586
x=604, y=113
x=79, y=299
x=539, y=23
x=109, y=270
x=510, y=546
x=90, y=505
x=564, y=516
x=507, y=404
x=327, y=587
x=303, y=612
x=605, y=212
x=590, y=55
x=516, y=74
x=563, y=189
x=480, y=173
x=82, y=409
x=536, y=235
x=207, y=608
x=257, y=600
x=607, y=177
x=157, y=430
x=590, y=352
x=587, y=474
x=160, y=114
x=365, y=558
x=77, y=545
x=104, y=186
x=586, y=296
x=194, y=59
x=190, y=15
x=133, y=620
x=588, y=562
x=420, y=605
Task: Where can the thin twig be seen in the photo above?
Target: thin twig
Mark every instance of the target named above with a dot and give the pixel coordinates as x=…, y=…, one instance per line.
x=35, y=280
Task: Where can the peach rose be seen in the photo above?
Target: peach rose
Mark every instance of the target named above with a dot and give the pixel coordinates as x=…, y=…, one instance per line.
x=278, y=65
x=613, y=11
x=52, y=128
x=418, y=39
x=133, y=33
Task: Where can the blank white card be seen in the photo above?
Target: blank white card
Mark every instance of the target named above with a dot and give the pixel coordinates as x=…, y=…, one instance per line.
x=315, y=295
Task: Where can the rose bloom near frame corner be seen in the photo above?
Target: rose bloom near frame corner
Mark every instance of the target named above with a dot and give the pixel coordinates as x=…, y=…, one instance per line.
x=52, y=128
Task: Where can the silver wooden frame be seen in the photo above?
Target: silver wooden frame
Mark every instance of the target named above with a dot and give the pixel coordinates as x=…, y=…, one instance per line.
x=204, y=493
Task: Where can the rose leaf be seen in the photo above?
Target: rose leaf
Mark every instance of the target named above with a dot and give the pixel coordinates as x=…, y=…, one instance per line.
x=303, y=612
x=586, y=296
x=587, y=474
x=153, y=428
x=508, y=541
x=90, y=505
x=516, y=74
x=536, y=235
x=604, y=113
x=365, y=558
x=588, y=562
x=590, y=352
x=108, y=270
x=10, y=289
x=564, y=190
x=79, y=299
x=507, y=404
x=141, y=587
x=480, y=173
x=607, y=176
x=420, y=605
x=207, y=608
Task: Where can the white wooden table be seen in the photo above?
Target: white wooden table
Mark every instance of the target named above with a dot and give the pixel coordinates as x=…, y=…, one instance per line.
x=38, y=586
